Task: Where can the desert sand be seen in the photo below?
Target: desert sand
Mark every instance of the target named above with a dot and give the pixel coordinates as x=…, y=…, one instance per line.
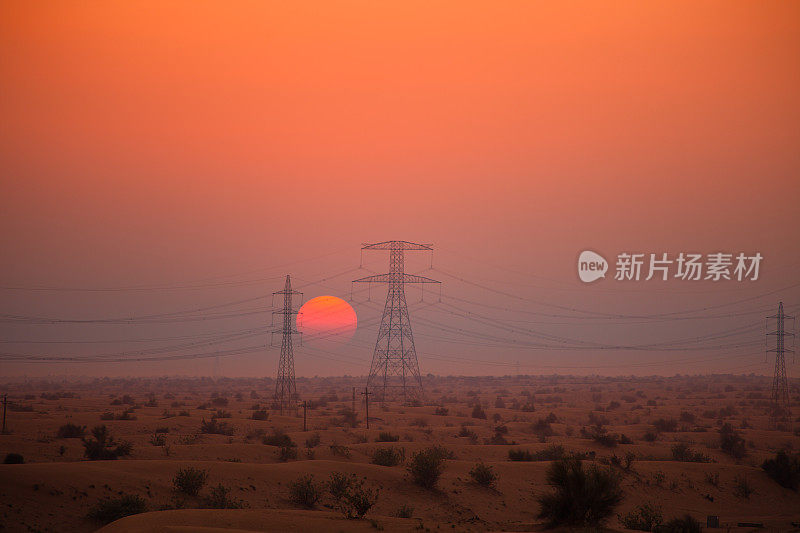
x=57, y=486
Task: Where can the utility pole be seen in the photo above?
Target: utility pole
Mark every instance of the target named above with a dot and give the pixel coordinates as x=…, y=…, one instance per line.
x=305, y=426
x=395, y=368
x=366, y=394
x=779, y=412
x=5, y=402
x=285, y=386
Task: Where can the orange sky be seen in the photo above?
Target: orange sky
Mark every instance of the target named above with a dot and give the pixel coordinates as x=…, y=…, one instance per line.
x=153, y=142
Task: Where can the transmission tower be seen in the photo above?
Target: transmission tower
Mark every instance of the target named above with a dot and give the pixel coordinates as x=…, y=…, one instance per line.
x=779, y=412
x=394, y=372
x=285, y=386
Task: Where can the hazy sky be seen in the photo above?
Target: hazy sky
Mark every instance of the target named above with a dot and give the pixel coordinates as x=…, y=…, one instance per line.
x=155, y=144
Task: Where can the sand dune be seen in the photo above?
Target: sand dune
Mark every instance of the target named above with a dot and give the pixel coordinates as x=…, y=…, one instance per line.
x=57, y=487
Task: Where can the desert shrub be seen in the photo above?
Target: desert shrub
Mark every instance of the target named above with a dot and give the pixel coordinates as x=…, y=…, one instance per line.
x=189, y=480
x=215, y=427
x=478, y=412
x=466, y=432
x=519, y=455
x=582, y=497
x=731, y=442
x=441, y=411
x=623, y=439
x=163, y=429
x=551, y=453
x=666, y=425
x=220, y=401
x=349, y=418
x=219, y=498
x=443, y=452
x=340, y=450
x=313, y=441
x=388, y=456
x=643, y=518
x=405, y=511
x=339, y=484
x=260, y=414
x=426, y=467
x=107, y=511
x=684, y=524
x=103, y=446
x=286, y=453
x=385, y=436
x=687, y=417
x=127, y=414
x=71, y=431
x=682, y=452
x=419, y=422
x=304, y=491
x=13, y=459
x=158, y=439
x=650, y=436
x=108, y=415
x=712, y=478
x=542, y=427
x=785, y=470
x=497, y=439
x=742, y=487
x=483, y=475
x=600, y=435
x=278, y=438
x=598, y=419
x=357, y=500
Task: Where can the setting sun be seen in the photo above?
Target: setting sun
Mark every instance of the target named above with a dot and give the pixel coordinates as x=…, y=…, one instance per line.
x=326, y=317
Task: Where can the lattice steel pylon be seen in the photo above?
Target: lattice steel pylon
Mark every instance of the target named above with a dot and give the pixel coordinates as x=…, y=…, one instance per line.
x=779, y=411
x=394, y=372
x=285, y=386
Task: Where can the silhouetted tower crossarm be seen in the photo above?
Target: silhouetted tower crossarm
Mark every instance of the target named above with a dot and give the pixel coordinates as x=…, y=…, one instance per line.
x=285, y=386
x=780, y=412
x=395, y=368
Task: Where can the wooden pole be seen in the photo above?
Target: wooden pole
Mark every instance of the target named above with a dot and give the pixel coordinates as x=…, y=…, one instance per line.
x=5, y=401
x=366, y=394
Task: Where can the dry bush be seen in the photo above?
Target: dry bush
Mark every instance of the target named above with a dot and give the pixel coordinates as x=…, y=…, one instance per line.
x=483, y=475
x=215, y=427
x=304, y=491
x=582, y=496
x=189, y=480
x=785, y=470
x=426, y=466
x=109, y=510
x=71, y=431
x=388, y=456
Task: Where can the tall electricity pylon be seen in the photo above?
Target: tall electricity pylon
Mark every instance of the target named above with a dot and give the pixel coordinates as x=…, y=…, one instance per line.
x=779, y=412
x=285, y=387
x=394, y=372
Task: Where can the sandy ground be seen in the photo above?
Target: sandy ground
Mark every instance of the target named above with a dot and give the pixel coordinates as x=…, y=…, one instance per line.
x=57, y=486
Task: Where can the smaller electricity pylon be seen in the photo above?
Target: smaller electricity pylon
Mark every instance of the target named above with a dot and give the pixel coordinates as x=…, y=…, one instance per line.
x=285, y=386
x=780, y=416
